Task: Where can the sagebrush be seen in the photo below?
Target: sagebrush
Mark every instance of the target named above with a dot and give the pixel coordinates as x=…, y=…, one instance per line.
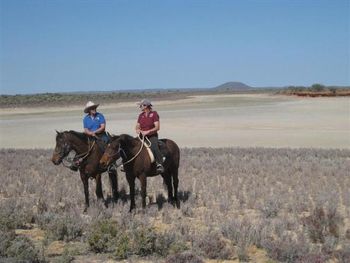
x=292, y=203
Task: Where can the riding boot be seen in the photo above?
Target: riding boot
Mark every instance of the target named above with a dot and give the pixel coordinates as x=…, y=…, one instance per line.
x=158, y=155
x=75, y=165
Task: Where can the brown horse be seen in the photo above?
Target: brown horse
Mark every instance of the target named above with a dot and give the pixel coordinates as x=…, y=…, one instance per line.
x=90, y=152
x=137, y=163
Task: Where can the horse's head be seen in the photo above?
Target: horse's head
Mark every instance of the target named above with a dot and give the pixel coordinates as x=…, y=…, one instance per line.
x=112, y=152
x=62, y=148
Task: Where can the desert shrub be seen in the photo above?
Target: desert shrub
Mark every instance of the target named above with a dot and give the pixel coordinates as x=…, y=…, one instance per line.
x=286, y=248
x=270, y=207
x=184, y=257
x=212, y=245
x=7, y=236
x=169, y=243
x=122, y=246
x=66, y=257
x=143, y=240
x=102, y=236
x=321, y=224
x=187, y=210
x=347, y=234
x=317, y=87
x=61, y=227
x=243, y=234
x=13, y=215
x=343, y=254
x=227, y=189
x=313, y=258
x=23, y=249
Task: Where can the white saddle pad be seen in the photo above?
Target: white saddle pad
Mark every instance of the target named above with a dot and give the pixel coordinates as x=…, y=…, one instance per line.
x=150, y=153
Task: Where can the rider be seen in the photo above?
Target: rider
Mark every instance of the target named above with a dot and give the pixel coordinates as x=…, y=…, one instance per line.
x=94, y=125
x=94, y=122
x=148, y=125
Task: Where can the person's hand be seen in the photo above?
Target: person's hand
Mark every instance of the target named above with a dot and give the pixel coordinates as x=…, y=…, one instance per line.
x=144, y=133
x=93, y=134
x=138, y=131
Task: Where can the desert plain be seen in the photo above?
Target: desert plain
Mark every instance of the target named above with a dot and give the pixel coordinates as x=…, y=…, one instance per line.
x=263, y=178
x=229, y=120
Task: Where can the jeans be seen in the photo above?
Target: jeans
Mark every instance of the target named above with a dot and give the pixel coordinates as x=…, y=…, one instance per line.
x=104, y=137
x=155, y=148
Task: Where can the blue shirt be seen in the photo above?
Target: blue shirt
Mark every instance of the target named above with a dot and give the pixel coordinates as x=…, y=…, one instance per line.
x=94, y=123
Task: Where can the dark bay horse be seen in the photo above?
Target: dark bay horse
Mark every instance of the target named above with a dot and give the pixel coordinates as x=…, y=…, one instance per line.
x=90, y=151
x=137, y=163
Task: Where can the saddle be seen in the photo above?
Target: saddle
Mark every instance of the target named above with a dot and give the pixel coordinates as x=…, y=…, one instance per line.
x=162, y=147
x=102, y=140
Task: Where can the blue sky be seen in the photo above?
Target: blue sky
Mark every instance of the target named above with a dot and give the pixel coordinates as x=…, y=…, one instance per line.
x=71, y=45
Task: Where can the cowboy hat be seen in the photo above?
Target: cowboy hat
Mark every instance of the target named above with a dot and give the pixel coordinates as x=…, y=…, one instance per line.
x=145, y=102
x=90, y=105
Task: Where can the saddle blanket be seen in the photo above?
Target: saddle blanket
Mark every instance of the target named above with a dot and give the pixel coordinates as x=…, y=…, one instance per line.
x=150, y=153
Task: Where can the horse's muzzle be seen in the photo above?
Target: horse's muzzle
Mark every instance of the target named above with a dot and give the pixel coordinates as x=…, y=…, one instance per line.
x=103, y=165
x=56, y=160
x=104, y=162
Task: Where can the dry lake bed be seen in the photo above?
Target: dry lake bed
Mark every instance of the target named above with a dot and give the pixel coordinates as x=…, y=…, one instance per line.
x=239, y=120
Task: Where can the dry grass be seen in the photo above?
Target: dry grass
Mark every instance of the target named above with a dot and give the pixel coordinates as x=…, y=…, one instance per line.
x=287, y=205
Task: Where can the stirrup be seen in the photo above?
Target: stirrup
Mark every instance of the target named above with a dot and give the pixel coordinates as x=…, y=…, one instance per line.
x=160, y=168
x=112, y=168
x=74, y=167
x=122, y=168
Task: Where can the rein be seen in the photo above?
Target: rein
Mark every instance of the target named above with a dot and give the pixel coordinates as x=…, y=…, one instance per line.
x=81, y=157
x=148, y=144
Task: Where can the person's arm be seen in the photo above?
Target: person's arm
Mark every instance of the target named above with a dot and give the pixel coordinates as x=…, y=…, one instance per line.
x=138, y=128
x=102, y=122
x=101, y=129
x=88, y=132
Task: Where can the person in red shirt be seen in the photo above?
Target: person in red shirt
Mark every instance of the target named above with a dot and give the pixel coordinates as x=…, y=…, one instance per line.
x=148, y=125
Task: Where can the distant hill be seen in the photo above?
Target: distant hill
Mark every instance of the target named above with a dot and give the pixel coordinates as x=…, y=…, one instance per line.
x=232, y=86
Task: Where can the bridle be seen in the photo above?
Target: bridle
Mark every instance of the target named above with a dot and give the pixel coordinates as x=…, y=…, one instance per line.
x=120, y=149
x=80, y=157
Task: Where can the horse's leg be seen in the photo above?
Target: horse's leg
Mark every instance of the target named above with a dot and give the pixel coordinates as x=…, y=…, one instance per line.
x=131, y=181
x=113, y=180
x=143, y=180
x=99, y=192
x=167, y=180
x=85, y=181
x=175, y=175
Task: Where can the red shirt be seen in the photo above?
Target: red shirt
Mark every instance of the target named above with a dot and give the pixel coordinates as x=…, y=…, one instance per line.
x=147, y=121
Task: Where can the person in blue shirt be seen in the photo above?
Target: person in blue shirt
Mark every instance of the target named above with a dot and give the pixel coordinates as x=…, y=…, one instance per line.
x=94, y=125
x=94, y=122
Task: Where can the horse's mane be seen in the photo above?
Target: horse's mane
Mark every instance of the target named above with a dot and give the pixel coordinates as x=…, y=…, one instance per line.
x=127, y=139
x=80, y=135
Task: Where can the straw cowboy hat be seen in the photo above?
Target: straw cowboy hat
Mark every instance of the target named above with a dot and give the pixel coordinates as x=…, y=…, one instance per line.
x=90, y=105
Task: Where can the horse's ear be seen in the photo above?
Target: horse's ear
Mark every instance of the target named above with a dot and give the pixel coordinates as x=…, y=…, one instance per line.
x=57, y=132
